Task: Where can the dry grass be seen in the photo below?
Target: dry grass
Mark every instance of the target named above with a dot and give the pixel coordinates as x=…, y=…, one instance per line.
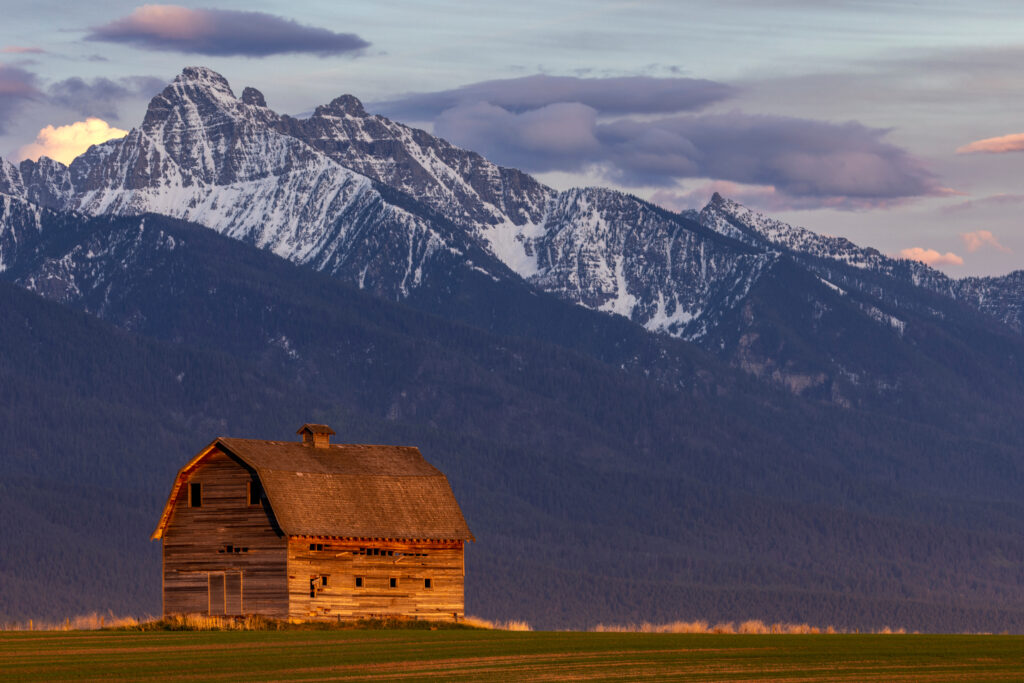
x=201, y=622
x=510, y=625
x=83, y=622
x=197, y=622
x=754, y=626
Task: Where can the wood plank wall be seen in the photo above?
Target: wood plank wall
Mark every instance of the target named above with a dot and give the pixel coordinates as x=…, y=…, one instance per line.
x=410, y=564
x=195, y=535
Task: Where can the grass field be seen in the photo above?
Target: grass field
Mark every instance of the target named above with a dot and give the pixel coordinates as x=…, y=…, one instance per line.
x=502, y=655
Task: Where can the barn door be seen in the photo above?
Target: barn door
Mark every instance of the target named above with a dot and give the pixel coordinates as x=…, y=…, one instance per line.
x=233, y=593
x=215, y=581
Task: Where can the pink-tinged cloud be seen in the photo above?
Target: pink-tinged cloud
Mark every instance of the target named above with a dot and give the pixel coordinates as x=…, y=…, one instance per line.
x=981, y=238
x=222, y=33
x=999, y=145
x=64, y=143
x=932, y=257
x=22, y=50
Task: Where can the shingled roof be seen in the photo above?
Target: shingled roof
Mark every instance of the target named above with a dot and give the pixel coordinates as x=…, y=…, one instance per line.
x=344, y=490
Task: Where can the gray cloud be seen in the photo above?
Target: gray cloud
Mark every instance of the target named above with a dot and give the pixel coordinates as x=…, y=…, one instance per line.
x=797, y=157
x=1003, y=199
x=100, y=96
x=222, y=33
x=608, y=96
x=17, y=88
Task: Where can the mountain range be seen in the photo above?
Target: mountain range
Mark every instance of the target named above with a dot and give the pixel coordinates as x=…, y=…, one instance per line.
x=648, y=414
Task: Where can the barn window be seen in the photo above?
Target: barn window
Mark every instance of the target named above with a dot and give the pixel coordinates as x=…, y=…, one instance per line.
x=232, y=549
x=393, y=581
x=316, y=546
x=195, y=495
x=427, y=583
x=255, y=493
x=359, y=582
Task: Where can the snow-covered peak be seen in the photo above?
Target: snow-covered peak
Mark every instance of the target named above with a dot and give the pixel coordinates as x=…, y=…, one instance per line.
x=198, y=96
x=203, y=77
x=10, y=179
x=734, y=220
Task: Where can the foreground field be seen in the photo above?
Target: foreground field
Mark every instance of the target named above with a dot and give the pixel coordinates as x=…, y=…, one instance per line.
x=502, y=655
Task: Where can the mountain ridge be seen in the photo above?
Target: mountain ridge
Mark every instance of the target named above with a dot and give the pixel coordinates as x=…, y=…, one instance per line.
x=381, y=205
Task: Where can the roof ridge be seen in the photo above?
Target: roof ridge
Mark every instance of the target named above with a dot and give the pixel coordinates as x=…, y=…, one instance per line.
x=333, y=445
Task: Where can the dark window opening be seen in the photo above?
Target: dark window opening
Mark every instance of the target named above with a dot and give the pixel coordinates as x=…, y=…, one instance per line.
x=316, y=546
x=233, y=549
x=195, y=495
x=359, y=582
x=393, y=581
x=426, y=583
x=255, y=493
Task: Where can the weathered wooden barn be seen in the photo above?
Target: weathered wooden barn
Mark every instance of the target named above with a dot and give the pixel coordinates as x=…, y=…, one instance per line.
x=309, y=530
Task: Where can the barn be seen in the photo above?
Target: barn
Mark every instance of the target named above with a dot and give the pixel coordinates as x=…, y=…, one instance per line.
x=312, y=530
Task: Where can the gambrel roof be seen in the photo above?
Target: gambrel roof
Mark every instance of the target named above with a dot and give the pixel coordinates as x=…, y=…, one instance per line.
x=344, y=491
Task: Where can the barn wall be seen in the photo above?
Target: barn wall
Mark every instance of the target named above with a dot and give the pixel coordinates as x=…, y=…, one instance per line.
x=410, y=563
x=195, y=535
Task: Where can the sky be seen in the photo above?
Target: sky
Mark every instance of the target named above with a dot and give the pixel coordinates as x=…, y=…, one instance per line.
x=891, y=123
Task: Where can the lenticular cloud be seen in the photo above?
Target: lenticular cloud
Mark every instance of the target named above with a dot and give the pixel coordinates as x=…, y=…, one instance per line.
x=222, y=33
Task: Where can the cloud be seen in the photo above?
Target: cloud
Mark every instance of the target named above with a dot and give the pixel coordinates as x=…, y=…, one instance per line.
x=100, y=96
x=222, y=33
x=17, y=88
x=980, y=238
x=999, y=145
x=1000, y=199
x=22, y=50
x=846, y=165
x=607, y=96
x=931, y=257
x=64, y=143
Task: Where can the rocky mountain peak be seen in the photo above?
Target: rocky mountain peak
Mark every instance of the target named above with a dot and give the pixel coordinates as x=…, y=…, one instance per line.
x=10, y=179
x=201, y=75
x=197, y=89
x=253, y=97
x=345, y=105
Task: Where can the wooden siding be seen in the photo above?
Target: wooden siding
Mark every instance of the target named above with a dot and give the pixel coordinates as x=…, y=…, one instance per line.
x=410, y=564
x=192, y=563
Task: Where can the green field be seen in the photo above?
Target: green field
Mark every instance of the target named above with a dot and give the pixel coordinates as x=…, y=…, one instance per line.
x=500, y=655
